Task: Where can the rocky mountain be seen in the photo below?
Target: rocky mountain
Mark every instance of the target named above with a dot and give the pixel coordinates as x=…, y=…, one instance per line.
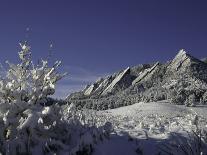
x=182, y=80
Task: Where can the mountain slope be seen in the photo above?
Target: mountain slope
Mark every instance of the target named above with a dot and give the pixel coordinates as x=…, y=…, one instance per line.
x=182, y=81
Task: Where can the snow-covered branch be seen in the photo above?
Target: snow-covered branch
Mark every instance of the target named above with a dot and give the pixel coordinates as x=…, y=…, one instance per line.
x=29, y=82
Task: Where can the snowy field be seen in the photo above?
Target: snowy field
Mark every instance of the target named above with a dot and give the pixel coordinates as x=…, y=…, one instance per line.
x=153, y=128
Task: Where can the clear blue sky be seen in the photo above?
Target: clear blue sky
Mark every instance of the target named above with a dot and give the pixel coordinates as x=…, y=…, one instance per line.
x=97, y=37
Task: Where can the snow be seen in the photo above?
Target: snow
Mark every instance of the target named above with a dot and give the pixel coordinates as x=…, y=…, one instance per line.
x=145, y=109
x=150, y=125
x=170, y=84
x=115, y=145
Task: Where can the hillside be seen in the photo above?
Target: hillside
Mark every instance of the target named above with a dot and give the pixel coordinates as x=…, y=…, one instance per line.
x=182, y=80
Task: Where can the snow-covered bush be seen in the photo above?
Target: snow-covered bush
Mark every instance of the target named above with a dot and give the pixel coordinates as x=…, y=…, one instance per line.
x=177, y=97
x=30, y=126
x=191, y=101
x=179, y=145
x=50, y=130
x=204, y=99
x=27, y=82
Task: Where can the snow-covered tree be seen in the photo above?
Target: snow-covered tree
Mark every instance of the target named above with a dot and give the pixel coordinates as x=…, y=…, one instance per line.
x=204, y=99
x=192, y=100
x=177, y=97
x=22, y=89
x=27, y=125
x=26, y=82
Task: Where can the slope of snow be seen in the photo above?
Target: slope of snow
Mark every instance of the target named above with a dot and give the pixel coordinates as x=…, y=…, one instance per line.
x=149, y=125
x=142, y=109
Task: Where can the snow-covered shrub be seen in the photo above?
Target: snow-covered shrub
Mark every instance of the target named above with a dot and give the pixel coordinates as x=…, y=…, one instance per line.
x=177, y=97
x=49, y=130
x=154, y=94
x=193, y=144
x=30, y=122
x=191, y=101
x=204, y=98
x=27, y=82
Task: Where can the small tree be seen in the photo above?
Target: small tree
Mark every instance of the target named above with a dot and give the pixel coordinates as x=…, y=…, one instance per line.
x=177, y=97
x=27, y=127
x=204, y=98
x=26, y=82
x=23, y=87
x=192, y=100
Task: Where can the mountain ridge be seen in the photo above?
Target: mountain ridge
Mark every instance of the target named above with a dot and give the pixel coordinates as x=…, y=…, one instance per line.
x=183, y=76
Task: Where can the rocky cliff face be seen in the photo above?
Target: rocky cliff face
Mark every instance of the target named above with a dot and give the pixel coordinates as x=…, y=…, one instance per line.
x=120, y=82
x=146, y=74
x=175, y=80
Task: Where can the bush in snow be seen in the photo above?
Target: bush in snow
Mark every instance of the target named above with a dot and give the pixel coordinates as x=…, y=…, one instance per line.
x=191, y=101
x=50, y=130
x=204, y=98
x=26, y=82
x=177, y=97
x=30, y=126
x=193, y=144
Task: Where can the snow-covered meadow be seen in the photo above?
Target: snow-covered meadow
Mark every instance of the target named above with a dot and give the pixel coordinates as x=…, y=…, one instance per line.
x=156, y=128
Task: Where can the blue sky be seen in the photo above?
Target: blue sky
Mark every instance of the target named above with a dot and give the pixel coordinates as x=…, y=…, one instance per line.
x=96, y=37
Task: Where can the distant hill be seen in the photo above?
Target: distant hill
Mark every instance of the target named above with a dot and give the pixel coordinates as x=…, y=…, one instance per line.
x=182, y=80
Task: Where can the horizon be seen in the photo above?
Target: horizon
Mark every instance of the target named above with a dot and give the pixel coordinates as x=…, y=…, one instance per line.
x=91, y=78
x=97, y=38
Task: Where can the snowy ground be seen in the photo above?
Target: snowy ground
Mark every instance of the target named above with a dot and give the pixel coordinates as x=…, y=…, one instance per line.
x=146, y=128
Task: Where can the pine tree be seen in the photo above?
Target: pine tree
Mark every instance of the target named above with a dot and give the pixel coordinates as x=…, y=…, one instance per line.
x=26, y=82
